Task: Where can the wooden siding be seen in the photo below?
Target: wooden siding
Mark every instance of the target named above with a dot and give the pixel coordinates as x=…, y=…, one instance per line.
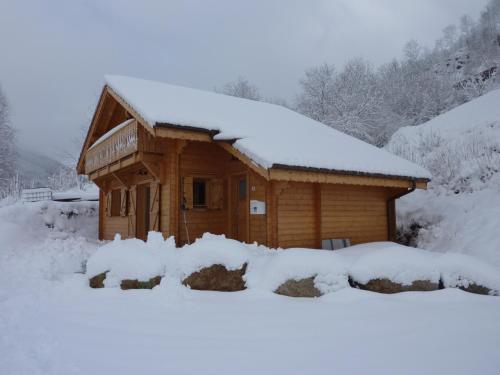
x=354, y=212
x=203, y=160
x=296, y=216
x=308, y=213
x=112, y=225
x=258, y=223
x=302, y=207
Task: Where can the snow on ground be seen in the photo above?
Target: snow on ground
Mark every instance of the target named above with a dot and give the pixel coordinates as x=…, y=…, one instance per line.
x=460, y=211
x=51, y=322
x=257, y=127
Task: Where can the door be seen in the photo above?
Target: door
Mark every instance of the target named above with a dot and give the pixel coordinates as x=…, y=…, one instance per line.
x=239, y=208
x=142, y=211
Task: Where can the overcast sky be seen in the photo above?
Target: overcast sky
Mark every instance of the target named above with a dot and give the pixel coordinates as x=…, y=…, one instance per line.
x=53, y=54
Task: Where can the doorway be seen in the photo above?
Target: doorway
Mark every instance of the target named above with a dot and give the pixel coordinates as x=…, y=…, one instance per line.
x=239, y=208
x=143, y=203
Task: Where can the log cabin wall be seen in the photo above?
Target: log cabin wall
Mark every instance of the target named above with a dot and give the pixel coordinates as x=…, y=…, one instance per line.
x=120, y=221
x=257, y=223
x=206, y=161
x=304, y=213
x=308, y=213
x=112, y=224
x=358, y=213
x=296, y=216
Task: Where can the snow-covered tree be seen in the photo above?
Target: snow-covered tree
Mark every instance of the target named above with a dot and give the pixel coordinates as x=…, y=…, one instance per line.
x=350, y=100
x=241, y=88
x=7, y=148
x=316, y=98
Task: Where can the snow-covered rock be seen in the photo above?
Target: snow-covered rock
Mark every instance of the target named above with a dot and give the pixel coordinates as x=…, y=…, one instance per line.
x=131, y=259
x=217, y=263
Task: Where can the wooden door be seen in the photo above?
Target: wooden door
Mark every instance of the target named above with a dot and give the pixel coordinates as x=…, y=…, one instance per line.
x=239, y=208
x=142, y=211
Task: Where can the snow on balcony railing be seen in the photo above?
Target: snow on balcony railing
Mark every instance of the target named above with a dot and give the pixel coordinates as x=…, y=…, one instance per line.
x=117, y=143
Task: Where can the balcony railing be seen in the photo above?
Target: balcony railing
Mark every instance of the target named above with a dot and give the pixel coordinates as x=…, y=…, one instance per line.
x=116, y=146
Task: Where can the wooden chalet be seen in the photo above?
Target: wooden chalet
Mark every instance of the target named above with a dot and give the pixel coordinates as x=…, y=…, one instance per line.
x=185, y=162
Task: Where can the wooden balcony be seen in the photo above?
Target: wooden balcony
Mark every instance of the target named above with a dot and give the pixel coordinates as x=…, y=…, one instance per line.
x=118, y=145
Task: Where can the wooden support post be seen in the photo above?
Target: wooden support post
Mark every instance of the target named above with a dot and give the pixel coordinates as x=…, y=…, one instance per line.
x=101, y=214
x=272, y=215
x=273, y=191
x=317, y=214
x=175, y=202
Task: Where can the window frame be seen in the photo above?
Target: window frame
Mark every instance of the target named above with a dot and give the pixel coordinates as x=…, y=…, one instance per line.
x=116, y=203
x=206, y=182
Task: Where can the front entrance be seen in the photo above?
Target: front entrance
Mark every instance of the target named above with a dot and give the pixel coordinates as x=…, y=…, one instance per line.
x=239, y=208
x=143, y=202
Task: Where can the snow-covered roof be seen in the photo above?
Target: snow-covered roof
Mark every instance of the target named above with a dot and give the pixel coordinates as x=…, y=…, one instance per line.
x=268, y=134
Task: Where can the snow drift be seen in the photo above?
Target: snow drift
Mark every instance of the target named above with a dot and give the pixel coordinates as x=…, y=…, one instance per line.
x=459, y=212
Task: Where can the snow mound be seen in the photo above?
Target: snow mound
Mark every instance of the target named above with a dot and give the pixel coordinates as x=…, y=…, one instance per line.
x=131, y=259
x=387, y=260
x=44, y=241
x=257, y=127
x=212, y=249
x=459, y=270
x=459, y=212
x=269, y=270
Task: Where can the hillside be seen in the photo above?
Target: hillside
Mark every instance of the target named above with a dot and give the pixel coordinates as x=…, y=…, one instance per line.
x=35, y=167
x=459, y=212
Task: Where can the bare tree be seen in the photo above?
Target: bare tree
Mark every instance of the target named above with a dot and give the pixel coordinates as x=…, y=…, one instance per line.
x=240, y=88
x=7, y=148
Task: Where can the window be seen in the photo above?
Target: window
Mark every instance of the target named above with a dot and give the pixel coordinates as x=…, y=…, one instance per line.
x=199, y=193
x=116, y=201
x=242, y=189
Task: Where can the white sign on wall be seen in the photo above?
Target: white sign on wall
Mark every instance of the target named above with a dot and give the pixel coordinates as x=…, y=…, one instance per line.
x=257, y=207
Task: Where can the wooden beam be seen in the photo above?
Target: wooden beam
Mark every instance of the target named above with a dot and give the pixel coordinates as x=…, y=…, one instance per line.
x=80, y=168
x=317, y=214
x=174, y=178
x=153, y=169
x=130, y=110
x=245, y=160
x=121, y=180
x=331, y=178
x=273, y=191
x=188, y=135
x=114, y=167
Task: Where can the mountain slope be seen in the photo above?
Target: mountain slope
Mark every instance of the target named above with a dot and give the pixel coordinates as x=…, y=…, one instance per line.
x=459, y=212
x=35, y=167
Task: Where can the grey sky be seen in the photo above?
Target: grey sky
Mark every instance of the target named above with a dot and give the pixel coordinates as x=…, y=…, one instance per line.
x=54, y=53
